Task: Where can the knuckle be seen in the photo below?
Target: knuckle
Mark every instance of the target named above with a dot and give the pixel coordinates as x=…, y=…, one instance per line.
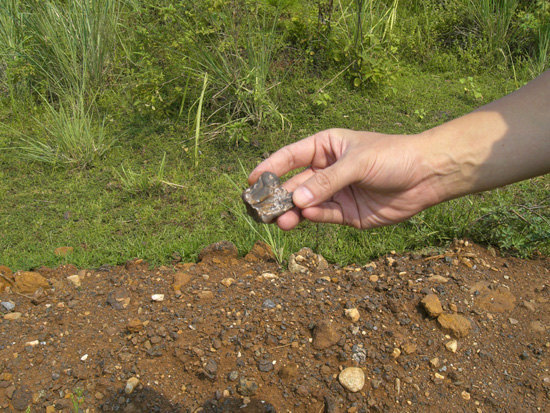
x=323, y=181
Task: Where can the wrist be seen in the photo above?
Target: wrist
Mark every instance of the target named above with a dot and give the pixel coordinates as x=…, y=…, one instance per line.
x=450, y=163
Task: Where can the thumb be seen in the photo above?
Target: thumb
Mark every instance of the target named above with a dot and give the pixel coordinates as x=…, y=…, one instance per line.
x=324, y=184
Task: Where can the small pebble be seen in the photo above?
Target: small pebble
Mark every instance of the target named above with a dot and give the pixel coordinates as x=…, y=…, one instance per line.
x=451, y=345
x=131, y=385
x=157, y=297
x=465, y=395
x=8, y=305
x=352, y=378
x=352, y=314
x=269, y=304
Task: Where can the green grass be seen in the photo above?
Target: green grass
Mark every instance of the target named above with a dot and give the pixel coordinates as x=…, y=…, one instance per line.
x=91, y=210
x=126, y=173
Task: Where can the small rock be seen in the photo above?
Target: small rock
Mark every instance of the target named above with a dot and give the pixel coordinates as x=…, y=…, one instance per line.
x=233, y=375
x=434, y=362
x=409, y=348
x=452, y=345
x=75, y=280
x=157, y=297
x=455, y=324
x=439, y=376
x=265, y=365
x=12, y=316
x=211, y=368
x=181, y=279
x=437, y=279
x=7, y=305
x=325, y=335
x=247, y=387
x=432, y=305
x=352, y=378
x=131, y=384
x=119, y=299
x=268, y=304
x=134, y=325
x=21, y=398
x=267, y=199
x=396, y=353
x=32, y=343
x=260, y=252
x=27, y=282
x=373, y=278
x=465, y=395
x=352, y=314
x=529, y=305
x=206, y=295
x=513, y=321
x=218, y=250
x=228, y=281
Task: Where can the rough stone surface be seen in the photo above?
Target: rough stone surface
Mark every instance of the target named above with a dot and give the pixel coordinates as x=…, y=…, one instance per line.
x=352, y=378
x=260, y=252
x=325, y=335
x=455, y=324
x=431, y=304
x=267, y=199
x=218, y=250
x=27, y=282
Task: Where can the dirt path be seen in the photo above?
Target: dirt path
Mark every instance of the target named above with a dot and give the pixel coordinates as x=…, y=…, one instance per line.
x=466, y=330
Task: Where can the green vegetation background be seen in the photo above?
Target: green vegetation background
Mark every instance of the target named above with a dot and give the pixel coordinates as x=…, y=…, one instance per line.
x=127, y=128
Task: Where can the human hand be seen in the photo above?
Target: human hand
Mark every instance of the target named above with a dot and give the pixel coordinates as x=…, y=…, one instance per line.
x=361, y=179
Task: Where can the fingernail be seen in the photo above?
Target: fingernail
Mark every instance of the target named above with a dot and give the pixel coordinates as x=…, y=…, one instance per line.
x=302, y=197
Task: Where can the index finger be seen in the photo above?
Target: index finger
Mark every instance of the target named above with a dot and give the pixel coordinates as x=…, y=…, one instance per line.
x=288, y=158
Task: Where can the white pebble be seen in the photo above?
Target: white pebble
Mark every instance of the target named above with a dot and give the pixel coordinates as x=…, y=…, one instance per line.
x=157, y=297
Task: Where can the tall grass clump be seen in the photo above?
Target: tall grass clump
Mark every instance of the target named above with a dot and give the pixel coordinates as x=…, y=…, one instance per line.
x=493, y=20
x=62, y=54
x=238, y=54
x=361, y=37
x=73, y=44
x=70, y=135
x=12, y=43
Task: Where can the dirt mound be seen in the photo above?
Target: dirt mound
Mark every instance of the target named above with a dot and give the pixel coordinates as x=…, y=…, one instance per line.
x=243, y=334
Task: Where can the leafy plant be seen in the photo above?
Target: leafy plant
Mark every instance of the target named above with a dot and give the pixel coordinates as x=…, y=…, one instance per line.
x=470, y=87
x=77, y=399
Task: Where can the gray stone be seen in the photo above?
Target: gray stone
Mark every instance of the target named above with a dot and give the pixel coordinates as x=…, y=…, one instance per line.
x=269, y=304
x=247, y=387
x=267, y=199
x=8, y=305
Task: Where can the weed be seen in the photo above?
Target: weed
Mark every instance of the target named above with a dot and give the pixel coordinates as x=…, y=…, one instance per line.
x=77, y=399
x=470, y=88
x=71, y=136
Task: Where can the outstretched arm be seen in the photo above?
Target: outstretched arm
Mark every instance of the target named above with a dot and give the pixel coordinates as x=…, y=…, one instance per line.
x=366, y=179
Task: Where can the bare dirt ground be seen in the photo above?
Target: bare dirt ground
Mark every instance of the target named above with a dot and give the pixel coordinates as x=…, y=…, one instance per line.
x=459, y=330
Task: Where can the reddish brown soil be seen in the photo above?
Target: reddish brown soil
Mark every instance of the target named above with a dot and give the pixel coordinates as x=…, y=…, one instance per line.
x=92, y=339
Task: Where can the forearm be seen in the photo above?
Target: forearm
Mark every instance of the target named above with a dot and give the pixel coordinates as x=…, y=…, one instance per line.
x=503, y=142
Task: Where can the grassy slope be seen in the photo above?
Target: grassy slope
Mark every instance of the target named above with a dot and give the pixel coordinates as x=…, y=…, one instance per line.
x=41, y=209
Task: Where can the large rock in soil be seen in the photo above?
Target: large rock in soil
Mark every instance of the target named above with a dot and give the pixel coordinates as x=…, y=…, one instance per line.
x=455, y=324
x=27, y=282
